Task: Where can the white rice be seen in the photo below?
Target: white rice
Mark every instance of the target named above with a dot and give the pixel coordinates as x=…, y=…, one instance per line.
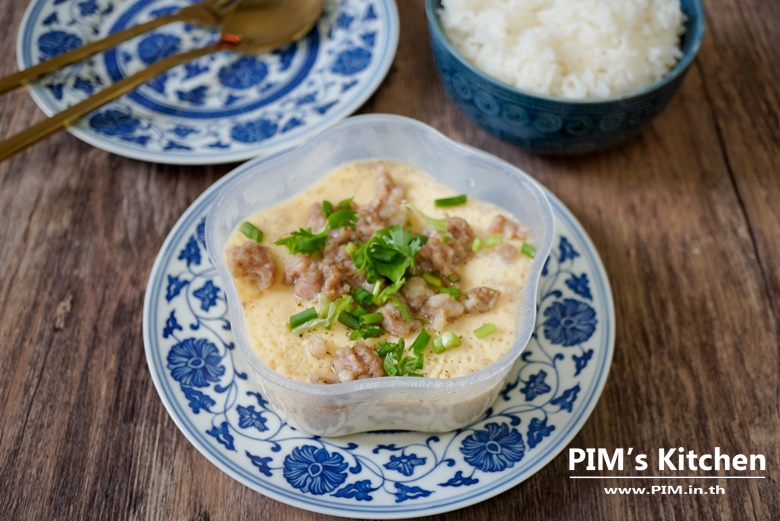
x=576, y=49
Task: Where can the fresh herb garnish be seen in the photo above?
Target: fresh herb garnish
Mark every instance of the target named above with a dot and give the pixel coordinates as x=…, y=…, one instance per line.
x=389, y=253
x=450, y=201
x=367, y=332
x=446, y=340
x=388, y=292
x=432, y=280
x=328, y=208
x=372, y=318
x=251, y=231
x=455, y=292
x=485, y=330
x=362, y=296
x=341, y=218
x=308, y=242
x=350, y=320
x=492, y=240
x=324, y=316
x=391, y=353
x=476, y=245
x=304, y=241
x=440, y=225
x=528, y=250
x=301, y=318
x=394, y=361
x=420, y=342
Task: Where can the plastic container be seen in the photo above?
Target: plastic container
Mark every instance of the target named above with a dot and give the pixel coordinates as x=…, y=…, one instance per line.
x=423, y=404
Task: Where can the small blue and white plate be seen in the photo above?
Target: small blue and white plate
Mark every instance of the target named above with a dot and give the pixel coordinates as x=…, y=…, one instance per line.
x=222, y=108
x=209, y=392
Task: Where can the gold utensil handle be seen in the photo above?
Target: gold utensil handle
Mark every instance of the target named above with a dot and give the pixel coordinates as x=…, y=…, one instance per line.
x=43, y=129
x=207, y=12
x=76, y=55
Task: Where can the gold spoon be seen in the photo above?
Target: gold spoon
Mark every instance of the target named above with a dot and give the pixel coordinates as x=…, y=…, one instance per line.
x=247, y=28
x=207, y=13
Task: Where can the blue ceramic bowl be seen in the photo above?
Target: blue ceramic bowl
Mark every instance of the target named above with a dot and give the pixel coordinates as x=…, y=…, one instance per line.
x=554, y=125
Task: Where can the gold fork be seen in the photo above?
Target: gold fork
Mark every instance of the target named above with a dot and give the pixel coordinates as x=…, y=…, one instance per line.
x=206, y=13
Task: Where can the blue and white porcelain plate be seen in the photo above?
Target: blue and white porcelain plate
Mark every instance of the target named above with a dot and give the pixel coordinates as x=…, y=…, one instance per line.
x=209, y=392
x=221, y=108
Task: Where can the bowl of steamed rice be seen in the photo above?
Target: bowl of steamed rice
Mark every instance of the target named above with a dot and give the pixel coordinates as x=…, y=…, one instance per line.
x=563, y=77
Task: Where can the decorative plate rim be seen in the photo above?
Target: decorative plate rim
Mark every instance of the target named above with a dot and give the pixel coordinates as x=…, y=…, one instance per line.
x=503, y=482
x=198, y=158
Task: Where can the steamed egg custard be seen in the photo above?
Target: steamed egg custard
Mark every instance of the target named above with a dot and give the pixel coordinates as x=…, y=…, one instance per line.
x=379, y=270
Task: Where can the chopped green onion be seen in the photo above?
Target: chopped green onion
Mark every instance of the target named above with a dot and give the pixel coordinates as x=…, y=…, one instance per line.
x=374, y=331
x=389, y=364
x=394, y=361
x=359, y=311
x=453, y=278
x=394, y=347
x=372, y=318
x=251, y=231
x=450, y=201
x=528, y=250
x=476, y=245
x=327, y=312
x=349, y=320
x=420, y=342
x=362, y=296
x=486, y=330
x=301, y=318
x=492, y=240
x=455, y=292
x=327, y=208
x=367, y=332
x=433, y=281
x=440, y=225
x=410, y=364
x=446, y=340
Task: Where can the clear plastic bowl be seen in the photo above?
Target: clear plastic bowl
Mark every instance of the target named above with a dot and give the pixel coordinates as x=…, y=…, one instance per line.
x=421, y=404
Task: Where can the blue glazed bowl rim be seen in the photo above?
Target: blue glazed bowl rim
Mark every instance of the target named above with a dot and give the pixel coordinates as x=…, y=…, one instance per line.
x=696, y=26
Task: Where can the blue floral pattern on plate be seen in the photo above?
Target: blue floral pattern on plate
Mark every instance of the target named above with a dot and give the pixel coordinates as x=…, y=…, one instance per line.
x=205, y=385
x=221, y=108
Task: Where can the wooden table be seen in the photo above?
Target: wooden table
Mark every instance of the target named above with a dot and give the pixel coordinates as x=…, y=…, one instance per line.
x=686, y=217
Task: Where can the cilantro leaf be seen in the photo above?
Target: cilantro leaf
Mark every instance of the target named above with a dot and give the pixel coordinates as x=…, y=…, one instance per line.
x=340, y=218
x=304, y=241
x=308, y=242
x=345, y=203
x=389, y=252
x=388, y=292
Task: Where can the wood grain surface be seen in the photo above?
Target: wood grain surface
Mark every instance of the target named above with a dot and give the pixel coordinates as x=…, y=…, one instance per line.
x=686, y=217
